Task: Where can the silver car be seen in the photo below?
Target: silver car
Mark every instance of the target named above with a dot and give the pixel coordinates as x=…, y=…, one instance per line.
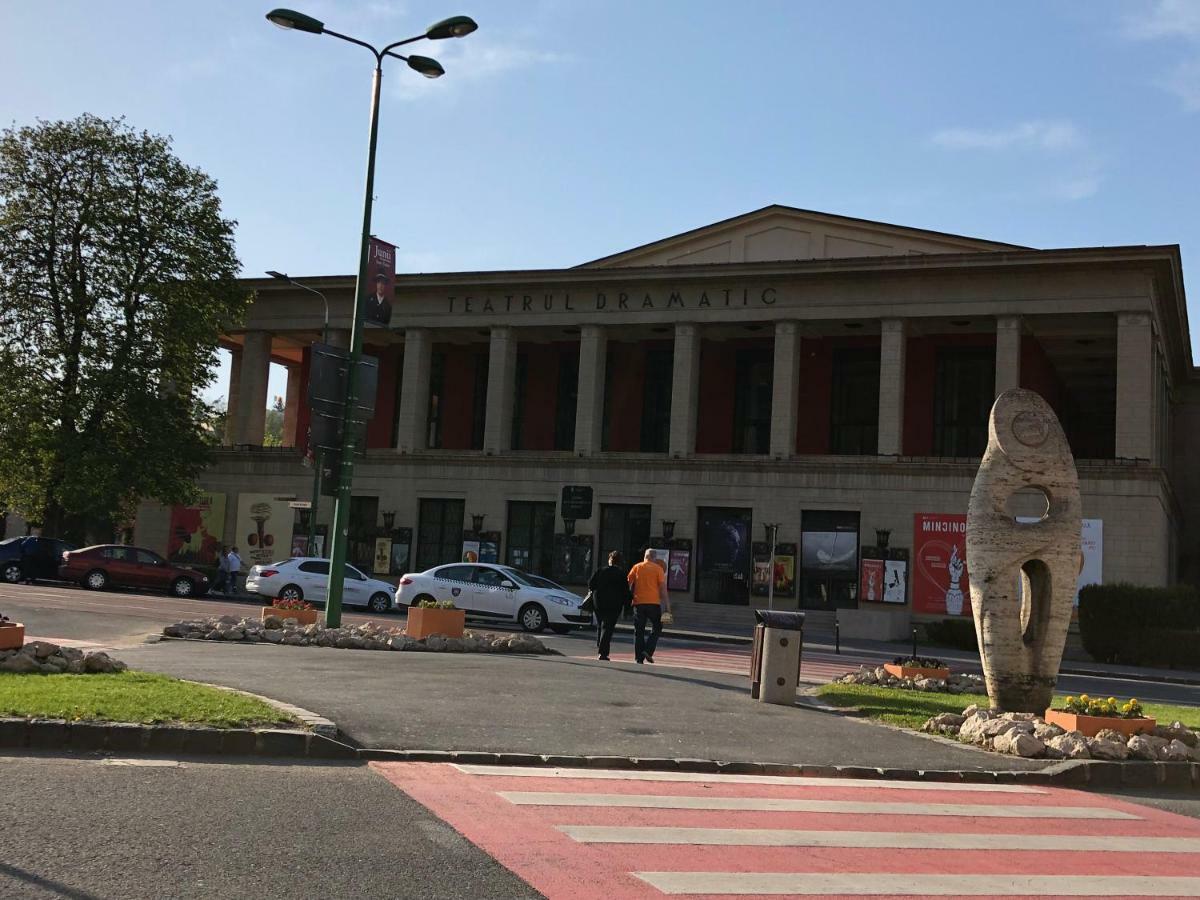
x=305, y=578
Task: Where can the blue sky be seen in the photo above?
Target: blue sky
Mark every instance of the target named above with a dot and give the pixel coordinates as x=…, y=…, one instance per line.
x=565, y=130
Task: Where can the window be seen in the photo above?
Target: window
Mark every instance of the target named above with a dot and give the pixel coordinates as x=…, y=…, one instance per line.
x=566, y=400
x=121, y=554
x=854, y=410
x=396, y=399
x=488, y=577
x=624, y=527
x=146, y=558
x=315, y=567
x=520, y=384
x=354, y=575
x=362, y=530
x=531, y=536
x=454, y=573
x=963, y=394
x=752, y=401
x=479, y=401
x=439, y=532
x=656, y=401
x=437, y=385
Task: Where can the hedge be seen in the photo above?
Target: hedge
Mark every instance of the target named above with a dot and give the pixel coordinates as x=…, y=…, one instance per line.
x=1135, y=625
x=958, y=633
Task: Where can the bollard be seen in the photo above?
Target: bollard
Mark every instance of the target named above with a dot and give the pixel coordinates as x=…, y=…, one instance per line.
x=837, y=637
x=914, y=632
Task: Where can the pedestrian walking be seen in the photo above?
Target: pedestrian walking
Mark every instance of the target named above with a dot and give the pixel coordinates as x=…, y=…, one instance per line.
x=648, y=583
x=610, y=595
x=221, y=582
x=235, y=567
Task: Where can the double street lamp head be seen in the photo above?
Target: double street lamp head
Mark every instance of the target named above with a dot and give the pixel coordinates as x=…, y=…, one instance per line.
x=289, y=19
x=453, y=27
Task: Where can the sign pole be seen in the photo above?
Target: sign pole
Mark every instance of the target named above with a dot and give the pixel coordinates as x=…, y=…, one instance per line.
x=771, y=568
x=319, y=462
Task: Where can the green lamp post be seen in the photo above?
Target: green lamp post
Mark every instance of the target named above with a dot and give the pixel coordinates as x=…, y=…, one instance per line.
x=454, y=27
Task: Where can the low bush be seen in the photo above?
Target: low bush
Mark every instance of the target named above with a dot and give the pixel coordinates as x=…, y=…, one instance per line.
x=1135, y=625
x=957, y=633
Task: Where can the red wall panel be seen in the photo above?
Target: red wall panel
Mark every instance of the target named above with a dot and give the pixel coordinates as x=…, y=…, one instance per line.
x=1037, y=373
x=303, y=415
x=919, y=377
x=379, y=429
x=458, y=393
x=541, y=396
x=626, y=379
x=718, y=372
x=816, y=389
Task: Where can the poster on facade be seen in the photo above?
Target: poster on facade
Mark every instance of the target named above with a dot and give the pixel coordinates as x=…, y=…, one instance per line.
x=196, y=531
x=264, y=528
x=381, y=278
x=470, y=552
x=489, y=547
x=895, y=581
x=940, y=580
x=401, y=551
x=830, y=551
x=299, y=545
x=785, y=570
x=871, y=580
x=382, y=563
x=679, y=570
x=1091, y=566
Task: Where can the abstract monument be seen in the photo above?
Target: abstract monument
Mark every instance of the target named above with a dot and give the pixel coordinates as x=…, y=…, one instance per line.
x=1023, y=575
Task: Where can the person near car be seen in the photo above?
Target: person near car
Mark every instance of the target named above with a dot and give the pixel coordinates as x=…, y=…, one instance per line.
x=235, y=566
x=221, y=582
x=610, y=595
x=648, y=583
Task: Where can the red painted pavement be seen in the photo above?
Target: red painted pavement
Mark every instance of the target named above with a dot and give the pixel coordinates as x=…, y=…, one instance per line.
x=815, y=666
x=525, y=840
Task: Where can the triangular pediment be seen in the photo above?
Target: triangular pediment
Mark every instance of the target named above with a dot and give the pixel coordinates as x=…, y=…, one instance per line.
x=786, y=233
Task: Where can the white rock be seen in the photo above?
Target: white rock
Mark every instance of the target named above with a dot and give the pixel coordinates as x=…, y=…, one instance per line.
x=1178, y=751
x=1102, y=748
x=1018, y=743
x=1071, y=745
x=1147, y=746
x=1044, y=731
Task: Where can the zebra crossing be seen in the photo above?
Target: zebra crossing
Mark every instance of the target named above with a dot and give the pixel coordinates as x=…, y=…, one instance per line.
x=633, y=835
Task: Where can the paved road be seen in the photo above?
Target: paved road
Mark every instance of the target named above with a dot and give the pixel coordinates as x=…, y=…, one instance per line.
x=102, y=830
x=635, y=836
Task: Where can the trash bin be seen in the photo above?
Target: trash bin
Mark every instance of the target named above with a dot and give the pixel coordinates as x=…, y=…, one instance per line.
x=775, y=662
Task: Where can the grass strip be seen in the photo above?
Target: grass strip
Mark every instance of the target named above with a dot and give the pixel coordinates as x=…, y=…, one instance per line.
x=910, y=709
x=138, y=697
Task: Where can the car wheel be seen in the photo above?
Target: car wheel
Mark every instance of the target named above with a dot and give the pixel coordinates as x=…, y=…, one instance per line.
x=291, y=592
x=560, y=627
x=379, y=603
x=532, y=618
x=95, y=580
x=182, y=587
x=11, y=573
x=419, y=599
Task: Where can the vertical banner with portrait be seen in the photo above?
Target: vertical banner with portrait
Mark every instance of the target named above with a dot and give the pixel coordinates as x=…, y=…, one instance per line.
x=264, y=528
x=401, y=550
x=470, y=551
x=871, y=580
x=382, y=563
x=381, y=282
x=489, y=546
x=940, y=579
x=196, y=531
x=679, y=565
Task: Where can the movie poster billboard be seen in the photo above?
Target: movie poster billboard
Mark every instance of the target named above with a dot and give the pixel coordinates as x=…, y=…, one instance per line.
x=401, y=551
x=871, y=580
x=895, y=581
x=940, y=581
x=679, y=570
x=196, y=531
x=264, y=528
x=382, y=562
x=381, y=280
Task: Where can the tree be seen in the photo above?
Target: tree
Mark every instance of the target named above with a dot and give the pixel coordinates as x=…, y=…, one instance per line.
x=116, y=277
x=273, y=429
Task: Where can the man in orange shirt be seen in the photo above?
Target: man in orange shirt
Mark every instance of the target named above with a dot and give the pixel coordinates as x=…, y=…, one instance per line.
x=648, y=582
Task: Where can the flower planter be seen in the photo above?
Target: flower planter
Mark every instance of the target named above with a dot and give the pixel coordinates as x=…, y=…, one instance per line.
x=900, y=671
x=1090, y=726
x=424, y=622
x=303, y=616
x=12, y=635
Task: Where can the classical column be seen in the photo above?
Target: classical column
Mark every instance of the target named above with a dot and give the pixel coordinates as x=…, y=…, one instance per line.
x=893, y=347
x=414, y=391
x=785, y=389
x=251, y=414
x=291, y=405
x=589, y=409
x=1008, y=353
x=685, y=389
x=502, y=370
x=1135, y=386
x=231, y=398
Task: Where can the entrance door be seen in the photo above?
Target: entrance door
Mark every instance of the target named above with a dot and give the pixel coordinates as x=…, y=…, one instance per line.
x=531, y=536
x=723, y=558
x=439, y=532
x=624, y=527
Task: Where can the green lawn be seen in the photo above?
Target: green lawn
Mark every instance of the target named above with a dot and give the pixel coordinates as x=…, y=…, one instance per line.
x=131, y=697
x=910, y=709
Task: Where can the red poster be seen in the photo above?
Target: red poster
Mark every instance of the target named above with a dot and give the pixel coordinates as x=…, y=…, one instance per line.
x=870, y=581
x=940, y=564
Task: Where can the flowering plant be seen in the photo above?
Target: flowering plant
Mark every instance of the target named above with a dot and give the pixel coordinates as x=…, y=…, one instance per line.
x=280, y=603
x=920, y=662
x=1083, y=705
x=434, y=604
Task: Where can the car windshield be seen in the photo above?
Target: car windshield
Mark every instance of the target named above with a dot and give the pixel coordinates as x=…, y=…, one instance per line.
x=10, y=541
x=536, y=581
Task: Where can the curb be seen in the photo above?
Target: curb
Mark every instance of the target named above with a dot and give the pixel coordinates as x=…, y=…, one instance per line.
x=316, y=724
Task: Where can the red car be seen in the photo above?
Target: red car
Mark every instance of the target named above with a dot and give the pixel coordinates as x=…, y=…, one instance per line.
x=115, y=565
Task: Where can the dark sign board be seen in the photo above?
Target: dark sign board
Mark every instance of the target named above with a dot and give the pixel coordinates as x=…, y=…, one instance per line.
x=327, y=392
x=576, y=501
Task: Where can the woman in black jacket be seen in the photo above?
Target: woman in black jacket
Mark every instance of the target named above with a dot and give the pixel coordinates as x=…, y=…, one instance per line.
x=610, y=594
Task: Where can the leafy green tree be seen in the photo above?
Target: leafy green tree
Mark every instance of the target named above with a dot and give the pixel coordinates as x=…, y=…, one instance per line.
x=273, y=430
x=116, y=276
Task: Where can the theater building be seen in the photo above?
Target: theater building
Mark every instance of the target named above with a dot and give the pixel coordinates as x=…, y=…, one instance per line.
x=828, y=375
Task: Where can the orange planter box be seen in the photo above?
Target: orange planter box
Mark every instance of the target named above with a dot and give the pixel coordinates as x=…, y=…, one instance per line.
x=12, y=636
x=915, y=671
x=303, y=616
x=1093, y=725
x=425, y=622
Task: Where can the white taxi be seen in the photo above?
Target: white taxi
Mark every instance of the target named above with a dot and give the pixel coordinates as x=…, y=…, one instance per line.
x=305, y=578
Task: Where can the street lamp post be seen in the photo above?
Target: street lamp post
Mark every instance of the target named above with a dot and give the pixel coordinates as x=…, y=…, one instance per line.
x=454, y=27
x=772, y=529
x=318, y=453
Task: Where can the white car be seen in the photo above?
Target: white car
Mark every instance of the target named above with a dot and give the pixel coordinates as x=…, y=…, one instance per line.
x=497, y=594
x=305, y=577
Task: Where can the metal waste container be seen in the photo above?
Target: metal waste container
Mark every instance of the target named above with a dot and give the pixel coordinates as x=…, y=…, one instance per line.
x=775, y=662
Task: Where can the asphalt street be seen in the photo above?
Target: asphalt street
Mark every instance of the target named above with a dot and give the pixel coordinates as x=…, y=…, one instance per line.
x=96, y=829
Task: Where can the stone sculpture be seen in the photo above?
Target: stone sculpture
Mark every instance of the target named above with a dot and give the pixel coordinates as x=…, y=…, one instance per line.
x=1023, y=575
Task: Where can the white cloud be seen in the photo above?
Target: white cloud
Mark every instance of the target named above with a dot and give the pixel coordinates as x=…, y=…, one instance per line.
x=1055, y=136
x=1184, y=82
x=1164, y=19
x=471, y=60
